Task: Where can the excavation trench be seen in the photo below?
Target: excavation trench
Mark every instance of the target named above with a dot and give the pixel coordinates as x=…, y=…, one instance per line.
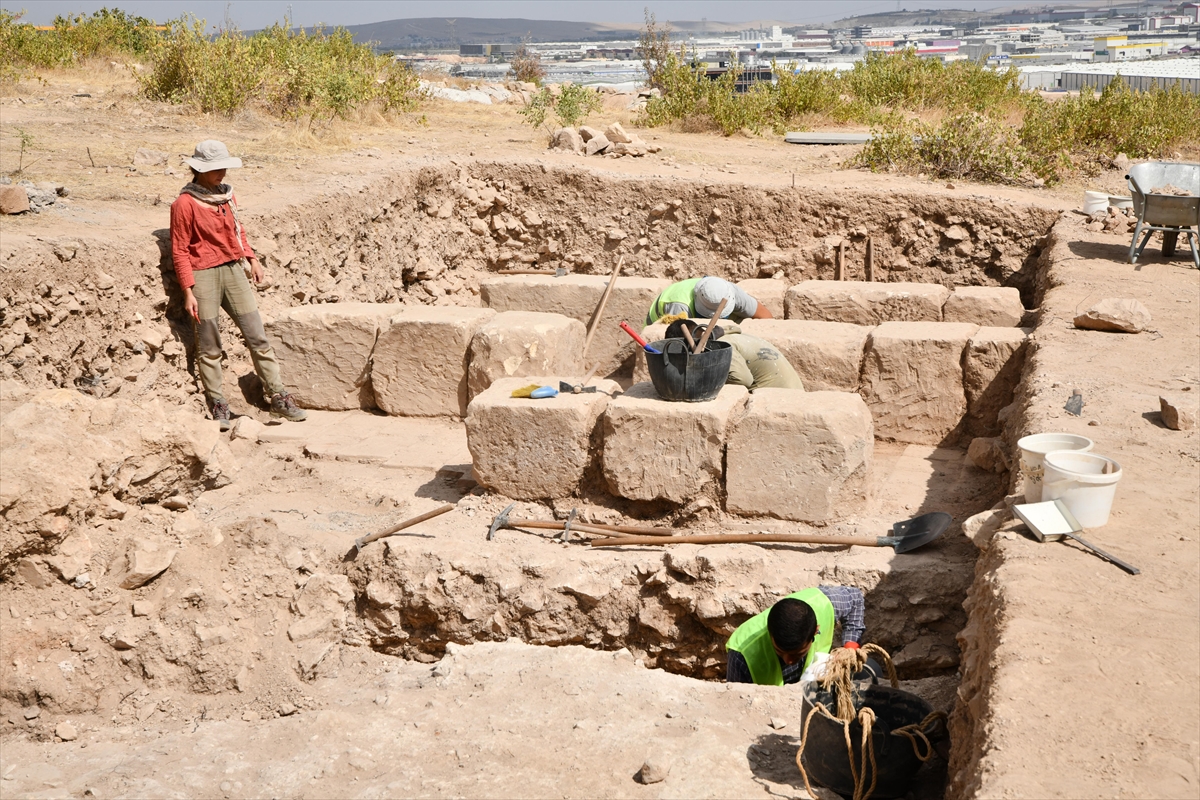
x=428, y=237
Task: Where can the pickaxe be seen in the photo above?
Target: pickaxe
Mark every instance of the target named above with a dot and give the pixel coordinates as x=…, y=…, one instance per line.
x=364, y=540
x=504, y=520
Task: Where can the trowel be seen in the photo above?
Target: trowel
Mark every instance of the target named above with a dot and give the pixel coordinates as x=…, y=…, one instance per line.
x=906, y=536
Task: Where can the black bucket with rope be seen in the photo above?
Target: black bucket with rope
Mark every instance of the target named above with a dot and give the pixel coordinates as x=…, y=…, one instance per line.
x=679, y=374
x=862, y=740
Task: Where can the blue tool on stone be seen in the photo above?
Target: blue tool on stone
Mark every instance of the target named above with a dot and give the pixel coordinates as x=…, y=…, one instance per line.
x=543, y=392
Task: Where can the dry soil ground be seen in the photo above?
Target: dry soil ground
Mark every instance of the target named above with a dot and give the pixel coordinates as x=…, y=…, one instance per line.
x=1078, y=680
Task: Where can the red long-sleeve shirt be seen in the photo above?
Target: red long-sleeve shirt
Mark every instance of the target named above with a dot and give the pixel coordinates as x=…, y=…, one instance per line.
x=203, y=236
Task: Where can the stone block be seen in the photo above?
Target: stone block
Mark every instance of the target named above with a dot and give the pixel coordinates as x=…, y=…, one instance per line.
x=912, y=380
x=518, y=344
x=1178, y=412
x=13, y=200
x=577, y=296
x=994, y=306
x=324, y=352
x=568, y=139
x=991, y=371
x=535, y=449
x=827, y=356
x=419, y=368
x=659, y=450
x=800, y=455
x=863, y=303
x=767, y=291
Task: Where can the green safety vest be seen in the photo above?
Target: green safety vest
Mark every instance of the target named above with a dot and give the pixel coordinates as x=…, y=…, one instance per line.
x=752, y=640
x=679, y=292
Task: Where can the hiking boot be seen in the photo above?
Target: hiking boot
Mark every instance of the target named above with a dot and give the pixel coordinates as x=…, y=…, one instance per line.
x=220, y=412
x=282, y=405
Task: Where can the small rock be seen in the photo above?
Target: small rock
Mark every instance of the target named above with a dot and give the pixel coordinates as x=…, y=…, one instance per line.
x=13, y=200
x=176, y=502
x=66, y=731
x=778, y=724
x=149, y=158
x=597, y=145
x=616, y=134
x=142, y=608
x=654, y=769
x=614, y=234
x=30, y=573
x=250, y=716
x=988, y=453
x=144, y=561
x=287, y=709
x=587, y=133
x=104, y=280
x=983, y=526
x=32, y=712
x=248, y=427
x=1119, y=315
x=568, y=139
x=1177, y=413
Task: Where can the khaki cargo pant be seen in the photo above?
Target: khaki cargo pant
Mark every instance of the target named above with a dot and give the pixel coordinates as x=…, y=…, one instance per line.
x=226, y=287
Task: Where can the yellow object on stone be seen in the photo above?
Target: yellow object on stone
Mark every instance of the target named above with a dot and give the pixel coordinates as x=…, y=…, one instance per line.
x=526, y=391
x=669, y=318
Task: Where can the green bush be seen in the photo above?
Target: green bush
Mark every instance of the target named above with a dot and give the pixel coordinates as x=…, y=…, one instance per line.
x=570, y=105
x=289, y=72
x=107, y=32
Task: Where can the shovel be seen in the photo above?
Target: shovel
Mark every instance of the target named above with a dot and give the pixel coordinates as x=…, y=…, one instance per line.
x=906, y=536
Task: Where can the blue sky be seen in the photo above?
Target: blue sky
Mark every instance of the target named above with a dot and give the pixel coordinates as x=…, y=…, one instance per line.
x=252, y=14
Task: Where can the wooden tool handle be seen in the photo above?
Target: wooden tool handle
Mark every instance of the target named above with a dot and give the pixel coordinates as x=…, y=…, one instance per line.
x=712, y=323
x=736, y=538
x=687, y=335
x=589, y=527
x=612, y=281
x=406, y=524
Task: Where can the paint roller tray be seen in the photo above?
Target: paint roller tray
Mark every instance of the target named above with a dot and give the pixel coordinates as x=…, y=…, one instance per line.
x=1049, y=521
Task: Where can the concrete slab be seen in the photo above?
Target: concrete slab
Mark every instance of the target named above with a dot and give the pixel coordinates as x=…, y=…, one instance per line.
x=535, y=449
x=863, y=303
x=802, y=456
x=419, y=368
x=324, y=352
x=913, y=380
x=658, y=450
x=578, y=296
x=828, y=356
x=517, y=344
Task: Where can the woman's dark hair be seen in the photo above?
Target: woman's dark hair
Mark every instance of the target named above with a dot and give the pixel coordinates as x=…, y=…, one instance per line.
x=195, y=174
x=792, y=624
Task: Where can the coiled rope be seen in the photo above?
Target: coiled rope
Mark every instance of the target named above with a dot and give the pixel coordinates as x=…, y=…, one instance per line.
x=840, y=670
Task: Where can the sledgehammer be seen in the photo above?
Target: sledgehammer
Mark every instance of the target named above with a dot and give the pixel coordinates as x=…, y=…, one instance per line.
x=364, y=540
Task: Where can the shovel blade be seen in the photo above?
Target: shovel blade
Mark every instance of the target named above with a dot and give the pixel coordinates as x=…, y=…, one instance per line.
x=919, y=531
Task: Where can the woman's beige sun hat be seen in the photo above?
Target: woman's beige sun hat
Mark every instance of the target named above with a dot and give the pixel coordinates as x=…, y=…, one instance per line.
x=212, y=155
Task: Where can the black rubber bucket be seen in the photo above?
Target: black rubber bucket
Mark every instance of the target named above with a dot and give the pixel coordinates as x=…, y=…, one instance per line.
x=680, y=375
x=825, y=758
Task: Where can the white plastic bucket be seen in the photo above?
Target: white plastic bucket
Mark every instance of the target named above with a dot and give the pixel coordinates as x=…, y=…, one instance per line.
x=1095, y=203
x=1085, y=482
x=1033, y=452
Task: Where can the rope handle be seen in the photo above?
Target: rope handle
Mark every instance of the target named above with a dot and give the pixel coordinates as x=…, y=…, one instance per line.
x=916, y=731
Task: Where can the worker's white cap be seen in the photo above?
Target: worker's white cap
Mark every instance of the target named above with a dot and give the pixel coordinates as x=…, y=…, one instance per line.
x=709, y=294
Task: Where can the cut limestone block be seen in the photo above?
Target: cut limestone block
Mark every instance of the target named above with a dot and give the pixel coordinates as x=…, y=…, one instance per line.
x=324, y=352
x=995, y=358
x=517, y=344
x=866, y=303
x=535, y=449
x=658, y=450
x=800, y=455
x=913, y=380
x=767, y=291
x=994, y=306
x=420, y=364
x=826, y=355
x=577, y=296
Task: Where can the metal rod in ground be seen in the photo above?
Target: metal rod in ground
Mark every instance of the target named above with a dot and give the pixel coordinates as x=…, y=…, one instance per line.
x=364, y=540
x=870, y=264
x=839, y=266
x=737, y=538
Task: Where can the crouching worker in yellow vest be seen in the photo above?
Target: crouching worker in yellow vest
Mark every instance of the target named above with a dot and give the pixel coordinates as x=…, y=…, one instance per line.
x=777, y=646
x=700, y=297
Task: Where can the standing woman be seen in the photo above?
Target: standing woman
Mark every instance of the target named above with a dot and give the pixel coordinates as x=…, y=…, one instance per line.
x=213, y=261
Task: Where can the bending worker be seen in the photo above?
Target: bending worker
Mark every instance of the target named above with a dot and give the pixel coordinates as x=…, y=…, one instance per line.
x=756, y=363
x=775, y=647
x=699, y=297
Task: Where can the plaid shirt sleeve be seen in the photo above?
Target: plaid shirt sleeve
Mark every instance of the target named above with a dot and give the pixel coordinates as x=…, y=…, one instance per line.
x=848, y=610
x=737, y=671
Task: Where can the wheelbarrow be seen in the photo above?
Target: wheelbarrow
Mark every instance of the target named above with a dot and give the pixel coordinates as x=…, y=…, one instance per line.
x=1169, y=214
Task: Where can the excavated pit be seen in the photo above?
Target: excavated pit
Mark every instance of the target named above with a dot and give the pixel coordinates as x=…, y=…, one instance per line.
x=427, y=237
